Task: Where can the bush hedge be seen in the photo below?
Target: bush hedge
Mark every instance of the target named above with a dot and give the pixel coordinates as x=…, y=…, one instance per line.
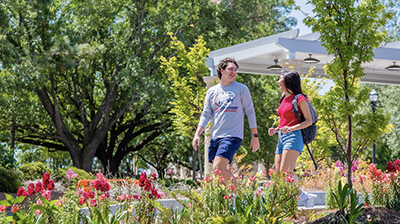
x=10, y=180
x=60, y=176
x=33, y=171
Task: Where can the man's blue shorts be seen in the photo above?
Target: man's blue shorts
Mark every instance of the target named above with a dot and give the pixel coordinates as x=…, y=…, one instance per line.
x=223, y=147
x=292, y=140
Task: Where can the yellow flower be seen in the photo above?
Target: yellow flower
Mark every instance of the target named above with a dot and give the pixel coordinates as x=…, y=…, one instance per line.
x=131, y=208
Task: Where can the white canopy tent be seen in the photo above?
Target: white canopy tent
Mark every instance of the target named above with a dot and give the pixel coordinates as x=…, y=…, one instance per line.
x=289, y=48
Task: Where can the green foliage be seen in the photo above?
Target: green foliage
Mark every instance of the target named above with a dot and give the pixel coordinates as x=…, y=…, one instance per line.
x=10, y=180
x=60, y=176
x=350, y=30
x=347, y=201
x=33, y=171
x=19, y=216
x=186, y=70
x=7, y=157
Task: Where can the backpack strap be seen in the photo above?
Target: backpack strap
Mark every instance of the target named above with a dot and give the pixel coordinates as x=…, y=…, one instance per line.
x=295, y=107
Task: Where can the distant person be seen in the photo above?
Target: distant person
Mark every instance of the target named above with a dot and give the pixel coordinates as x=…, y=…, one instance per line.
x=290, y=140
x=226, y=103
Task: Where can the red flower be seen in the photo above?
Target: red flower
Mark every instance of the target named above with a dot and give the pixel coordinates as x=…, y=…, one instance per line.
x=82, y=200
x=31, y=189
x=46, y=178
x=20, y=191
x=390, y=167
x=39, y=187
x=227, y=198
x=3, y=208
x=93, y=203
x=50, y=185
x=154, y=176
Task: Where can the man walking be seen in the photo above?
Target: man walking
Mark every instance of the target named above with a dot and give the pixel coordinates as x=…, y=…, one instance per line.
x=226, y=104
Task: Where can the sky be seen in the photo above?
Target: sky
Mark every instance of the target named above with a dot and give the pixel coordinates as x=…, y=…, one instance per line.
x=299, y=15
x=306, y=8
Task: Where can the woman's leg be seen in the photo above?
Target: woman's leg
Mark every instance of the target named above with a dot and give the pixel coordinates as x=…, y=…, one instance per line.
x=288, y=160
x=278, y=160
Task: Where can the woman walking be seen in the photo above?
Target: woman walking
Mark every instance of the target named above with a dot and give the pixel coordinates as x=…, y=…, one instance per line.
x=290, y=140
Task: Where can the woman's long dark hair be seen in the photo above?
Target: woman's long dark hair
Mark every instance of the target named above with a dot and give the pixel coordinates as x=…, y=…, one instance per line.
x=292, y=82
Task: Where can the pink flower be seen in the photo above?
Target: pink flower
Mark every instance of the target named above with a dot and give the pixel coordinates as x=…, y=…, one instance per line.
x=38, y=212
x=221, y=179
x=217, y=171
x=267, y=184
x=209, y=179
x=47, y=195
x=71, y=175
x=39, y=202
x=257, y=192
x=154, y=176
x=252, y=178
x=14, y=208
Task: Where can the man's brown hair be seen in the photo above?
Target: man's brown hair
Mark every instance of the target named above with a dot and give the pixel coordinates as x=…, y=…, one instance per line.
x=223, y=64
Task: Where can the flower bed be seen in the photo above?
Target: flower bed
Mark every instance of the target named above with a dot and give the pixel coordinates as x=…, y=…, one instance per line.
x=254, y=199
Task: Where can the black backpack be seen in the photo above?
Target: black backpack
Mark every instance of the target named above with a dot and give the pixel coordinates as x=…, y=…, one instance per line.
x=309, y=133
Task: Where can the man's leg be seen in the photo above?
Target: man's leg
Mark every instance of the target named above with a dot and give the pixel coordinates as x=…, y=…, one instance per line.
x=221, y=163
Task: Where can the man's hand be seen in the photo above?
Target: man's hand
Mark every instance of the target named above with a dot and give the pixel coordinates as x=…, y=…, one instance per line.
x=196, y=142
x=254, y=144
x=196, y=137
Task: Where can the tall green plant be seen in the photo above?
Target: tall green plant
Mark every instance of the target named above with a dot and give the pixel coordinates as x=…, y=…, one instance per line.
x=350, y=31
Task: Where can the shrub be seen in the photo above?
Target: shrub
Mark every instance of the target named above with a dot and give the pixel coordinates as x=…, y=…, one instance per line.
x=60, y=176
x=9, y=180
x=33, y=171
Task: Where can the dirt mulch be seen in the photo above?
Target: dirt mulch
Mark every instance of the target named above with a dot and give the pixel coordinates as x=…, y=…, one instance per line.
x=382, y=216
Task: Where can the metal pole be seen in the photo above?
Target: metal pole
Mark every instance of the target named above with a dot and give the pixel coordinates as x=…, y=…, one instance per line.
x=373, y=144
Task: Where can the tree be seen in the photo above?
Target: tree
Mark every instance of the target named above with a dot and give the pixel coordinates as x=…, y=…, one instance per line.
x=186, y=70
x=265, y=93
x=349, y=31
x=79, y=69
x=83, y=77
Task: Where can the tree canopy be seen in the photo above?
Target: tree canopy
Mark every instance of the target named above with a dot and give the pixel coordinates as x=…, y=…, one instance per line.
x=350, y=30
x=83, y=77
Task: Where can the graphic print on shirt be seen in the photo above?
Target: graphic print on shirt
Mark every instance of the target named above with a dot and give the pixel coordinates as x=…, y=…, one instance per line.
x=223, y=101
